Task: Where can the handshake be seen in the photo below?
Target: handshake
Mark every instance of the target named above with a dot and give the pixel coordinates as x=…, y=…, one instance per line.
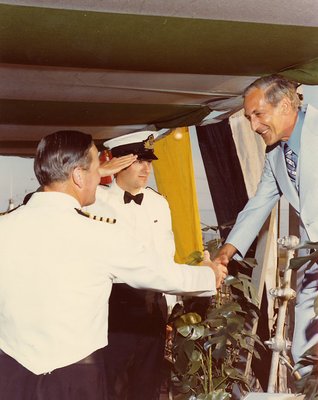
x=218, y=265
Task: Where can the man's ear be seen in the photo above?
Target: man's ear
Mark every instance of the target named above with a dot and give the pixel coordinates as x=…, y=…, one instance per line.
x=285, y=106
x=77, y=177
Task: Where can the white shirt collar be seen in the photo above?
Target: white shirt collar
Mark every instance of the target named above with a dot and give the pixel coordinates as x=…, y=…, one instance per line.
x=118, y=190
x=53, y=199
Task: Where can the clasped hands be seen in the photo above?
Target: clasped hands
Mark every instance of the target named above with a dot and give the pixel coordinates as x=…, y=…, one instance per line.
x=218, y=265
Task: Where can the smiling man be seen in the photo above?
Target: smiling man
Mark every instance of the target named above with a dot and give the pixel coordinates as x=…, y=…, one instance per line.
x=272, y=106
x=273, y=118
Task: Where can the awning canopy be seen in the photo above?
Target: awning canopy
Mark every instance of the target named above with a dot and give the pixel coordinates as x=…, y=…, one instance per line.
x=112, y=67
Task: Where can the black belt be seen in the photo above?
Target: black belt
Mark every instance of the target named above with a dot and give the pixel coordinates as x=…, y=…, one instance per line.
x=123, y=294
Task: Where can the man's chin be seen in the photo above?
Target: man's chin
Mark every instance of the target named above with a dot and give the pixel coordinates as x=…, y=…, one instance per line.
x=270, y=141
x=143, y=182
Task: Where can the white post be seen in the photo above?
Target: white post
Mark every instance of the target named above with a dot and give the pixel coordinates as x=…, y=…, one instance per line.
x=284, y=293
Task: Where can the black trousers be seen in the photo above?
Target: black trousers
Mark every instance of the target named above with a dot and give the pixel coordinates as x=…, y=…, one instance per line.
x=80, y=381
x=135, y=352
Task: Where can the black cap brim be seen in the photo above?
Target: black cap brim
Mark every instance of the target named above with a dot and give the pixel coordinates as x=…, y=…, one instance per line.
x=134, y=148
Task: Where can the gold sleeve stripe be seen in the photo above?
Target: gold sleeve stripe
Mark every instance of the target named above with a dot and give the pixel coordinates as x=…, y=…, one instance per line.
x=95, y=217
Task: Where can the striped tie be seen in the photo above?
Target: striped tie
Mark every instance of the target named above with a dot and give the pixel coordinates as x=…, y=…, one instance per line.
x=291, y=162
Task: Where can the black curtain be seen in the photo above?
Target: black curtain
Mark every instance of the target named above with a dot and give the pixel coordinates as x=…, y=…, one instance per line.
x=229, y=196
x=223, y=170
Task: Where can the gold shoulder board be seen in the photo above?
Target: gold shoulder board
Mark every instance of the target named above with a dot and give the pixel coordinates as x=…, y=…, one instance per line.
x=95, y=217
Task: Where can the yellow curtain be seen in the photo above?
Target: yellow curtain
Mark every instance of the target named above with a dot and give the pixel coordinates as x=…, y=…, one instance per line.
x=175, y=180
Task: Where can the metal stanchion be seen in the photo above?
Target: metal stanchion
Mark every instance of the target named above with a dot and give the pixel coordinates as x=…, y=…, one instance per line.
x=278, y=344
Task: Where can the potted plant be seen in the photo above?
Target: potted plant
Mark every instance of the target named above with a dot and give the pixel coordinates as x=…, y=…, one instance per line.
x=207, y=343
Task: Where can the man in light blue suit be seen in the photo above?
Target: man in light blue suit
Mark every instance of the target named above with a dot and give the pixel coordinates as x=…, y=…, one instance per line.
x=272, y=106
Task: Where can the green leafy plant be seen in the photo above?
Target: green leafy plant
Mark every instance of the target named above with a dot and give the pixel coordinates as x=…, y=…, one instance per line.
x=308, y=384
x=207, y=345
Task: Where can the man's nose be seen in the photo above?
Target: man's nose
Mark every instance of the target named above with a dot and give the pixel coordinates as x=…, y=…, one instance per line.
x=146, y=166
x=254, y=123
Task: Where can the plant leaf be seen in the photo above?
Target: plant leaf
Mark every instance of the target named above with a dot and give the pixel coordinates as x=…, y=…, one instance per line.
x=195, y=367
x=181, y=362
x=249, y=290
x=196, y=356
x=307, y=244
x=235, y=374
x=190, y=318
x=235, y=323
x=197, y=332
x=218, y=395
x=297, y=262
x=185, y=388
x=254, y=337
x=189, y=347
x=249, y=262
x=185, y=330
x=220, y=351
x=231, y=280
x=216, y=322
x=230, y=306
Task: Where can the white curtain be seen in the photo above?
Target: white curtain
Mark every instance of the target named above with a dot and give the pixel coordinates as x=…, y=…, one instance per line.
x=250, y=148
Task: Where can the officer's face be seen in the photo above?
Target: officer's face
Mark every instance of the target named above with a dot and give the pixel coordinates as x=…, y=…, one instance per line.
x=272, y=123
x=91, y=178
x=134, y=177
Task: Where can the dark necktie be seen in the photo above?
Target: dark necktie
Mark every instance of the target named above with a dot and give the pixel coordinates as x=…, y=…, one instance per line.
x=291, y=162
x=137, y=198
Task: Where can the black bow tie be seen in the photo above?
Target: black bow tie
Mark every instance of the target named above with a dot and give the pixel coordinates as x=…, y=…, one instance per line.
x=137, y=198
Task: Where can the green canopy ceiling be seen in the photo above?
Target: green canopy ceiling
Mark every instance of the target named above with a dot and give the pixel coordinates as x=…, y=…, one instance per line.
x=109, y=73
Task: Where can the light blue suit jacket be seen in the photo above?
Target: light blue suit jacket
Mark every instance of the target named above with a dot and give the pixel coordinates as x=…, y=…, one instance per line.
x=275, y=182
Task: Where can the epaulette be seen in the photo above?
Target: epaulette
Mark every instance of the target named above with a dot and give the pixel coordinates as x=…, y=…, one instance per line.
x=95, y=217
x=10, y=211
x=149, y=187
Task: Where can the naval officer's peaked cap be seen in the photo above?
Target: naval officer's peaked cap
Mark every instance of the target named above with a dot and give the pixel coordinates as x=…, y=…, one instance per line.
x=138, y=143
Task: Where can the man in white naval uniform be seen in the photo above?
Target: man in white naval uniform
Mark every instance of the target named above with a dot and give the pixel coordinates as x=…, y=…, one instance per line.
x=273, y=108
x=137, y=318
x=56, y=272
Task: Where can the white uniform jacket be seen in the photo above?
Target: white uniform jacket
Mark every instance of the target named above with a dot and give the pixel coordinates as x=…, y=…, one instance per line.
x=148, y=223
x=56, y=274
